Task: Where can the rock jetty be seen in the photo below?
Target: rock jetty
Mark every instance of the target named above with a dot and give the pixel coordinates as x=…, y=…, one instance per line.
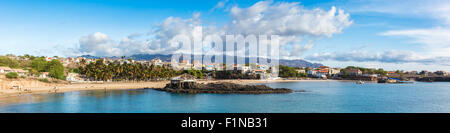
x=221, y=88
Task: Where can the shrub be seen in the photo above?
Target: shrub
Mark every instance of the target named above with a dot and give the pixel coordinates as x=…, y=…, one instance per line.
x=44, y=80
x=12, y=75
x=6, y=61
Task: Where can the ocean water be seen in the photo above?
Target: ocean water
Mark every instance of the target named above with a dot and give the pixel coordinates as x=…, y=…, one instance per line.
x=321, y=97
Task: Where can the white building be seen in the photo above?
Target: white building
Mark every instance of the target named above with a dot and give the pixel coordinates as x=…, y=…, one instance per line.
x=301, y=71
x=334, y=71
x=312, y=72
x=74, y=77
x=5, y=70
x=48, y=58
x=43, y=75
x=209, y=67
x=157, y=62
x=245, y=69
x=259, y=71
x=20, y=72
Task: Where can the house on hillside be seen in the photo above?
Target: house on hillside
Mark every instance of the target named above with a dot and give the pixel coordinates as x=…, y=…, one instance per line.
x=4, y=70
x=74, y=77
x=48, y=58
x=301, y=71
x=156, y=62
x=312, y=72
x=21, y=72
x=334, y=71
x=258, y=71
x=354, y=72
x=441, y=73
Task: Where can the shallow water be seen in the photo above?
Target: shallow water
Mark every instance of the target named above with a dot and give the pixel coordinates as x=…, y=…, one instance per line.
x=321, y=97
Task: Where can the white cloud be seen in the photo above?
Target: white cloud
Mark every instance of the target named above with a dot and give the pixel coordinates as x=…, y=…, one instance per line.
x=435, y=9
x=98, y=44
x=435, y=41
x=219, y=5
x=289, y=20
x=392, y=56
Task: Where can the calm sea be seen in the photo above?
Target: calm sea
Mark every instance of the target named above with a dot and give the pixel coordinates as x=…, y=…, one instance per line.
x=321, y=97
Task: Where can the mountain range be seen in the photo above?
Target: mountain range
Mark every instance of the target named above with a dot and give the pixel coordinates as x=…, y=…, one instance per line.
x=291, y=63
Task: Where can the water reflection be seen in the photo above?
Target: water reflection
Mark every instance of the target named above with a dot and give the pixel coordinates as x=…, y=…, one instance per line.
x=72, y=97
x=334, y=97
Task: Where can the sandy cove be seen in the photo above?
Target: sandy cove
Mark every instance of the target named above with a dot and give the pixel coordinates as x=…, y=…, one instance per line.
x=60, y=88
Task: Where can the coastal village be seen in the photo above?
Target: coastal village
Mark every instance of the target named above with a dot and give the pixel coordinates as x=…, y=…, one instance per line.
x=72, y=70
x=322, y=72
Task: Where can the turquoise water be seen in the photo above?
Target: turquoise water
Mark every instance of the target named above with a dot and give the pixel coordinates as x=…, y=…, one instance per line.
x=321, y=97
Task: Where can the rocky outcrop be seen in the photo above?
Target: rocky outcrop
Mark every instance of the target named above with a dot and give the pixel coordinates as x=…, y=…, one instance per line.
x=433, y=79
x=221, y=87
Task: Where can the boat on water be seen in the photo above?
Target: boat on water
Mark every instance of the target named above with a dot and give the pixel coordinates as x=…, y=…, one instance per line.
x=360, y=82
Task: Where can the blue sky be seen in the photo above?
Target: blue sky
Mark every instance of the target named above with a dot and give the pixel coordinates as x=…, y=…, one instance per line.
x=410, y=35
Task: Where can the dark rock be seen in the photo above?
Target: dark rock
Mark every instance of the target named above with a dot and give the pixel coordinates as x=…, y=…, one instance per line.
x=221, y=87
x=433, y=79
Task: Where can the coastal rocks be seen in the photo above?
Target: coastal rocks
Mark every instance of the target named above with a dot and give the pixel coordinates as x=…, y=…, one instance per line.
x=433, y=79
x=221, y=87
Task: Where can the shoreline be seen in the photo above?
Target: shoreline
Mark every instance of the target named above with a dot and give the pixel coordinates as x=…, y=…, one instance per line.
x=62, y=88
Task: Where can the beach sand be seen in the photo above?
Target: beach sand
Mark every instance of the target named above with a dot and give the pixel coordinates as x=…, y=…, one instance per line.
x=59, y=88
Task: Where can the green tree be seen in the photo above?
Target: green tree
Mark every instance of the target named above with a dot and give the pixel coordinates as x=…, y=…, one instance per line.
x=6, y=61
x=286, y=72
x=39, y=64
x=55, y=69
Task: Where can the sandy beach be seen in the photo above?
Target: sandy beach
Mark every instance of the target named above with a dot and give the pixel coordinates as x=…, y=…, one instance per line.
x=60, y=88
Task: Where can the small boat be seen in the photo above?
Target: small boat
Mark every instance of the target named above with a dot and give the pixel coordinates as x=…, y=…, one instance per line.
x=360, y=82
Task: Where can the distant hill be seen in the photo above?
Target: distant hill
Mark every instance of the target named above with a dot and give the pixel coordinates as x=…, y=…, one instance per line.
x=89, y=57
x=299, y=63
x=291, y=63
x=151, y=56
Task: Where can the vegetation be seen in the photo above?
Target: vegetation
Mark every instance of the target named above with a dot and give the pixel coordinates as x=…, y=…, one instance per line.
x=44, y=80
x=123, y=71
x=197, y=73
x=73, y=70
x=53, y=67
x=12, y=75
x=6, y=61
x=117, y=71
x=233, y=75
x=287, y=72
x=39, y=64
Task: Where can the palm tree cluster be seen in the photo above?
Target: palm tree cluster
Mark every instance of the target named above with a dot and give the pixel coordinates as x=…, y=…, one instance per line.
x=123, y=71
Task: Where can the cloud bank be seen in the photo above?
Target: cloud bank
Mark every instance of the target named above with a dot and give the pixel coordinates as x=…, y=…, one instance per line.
x=435, y=41
x=289, y=20
x=392, y=56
